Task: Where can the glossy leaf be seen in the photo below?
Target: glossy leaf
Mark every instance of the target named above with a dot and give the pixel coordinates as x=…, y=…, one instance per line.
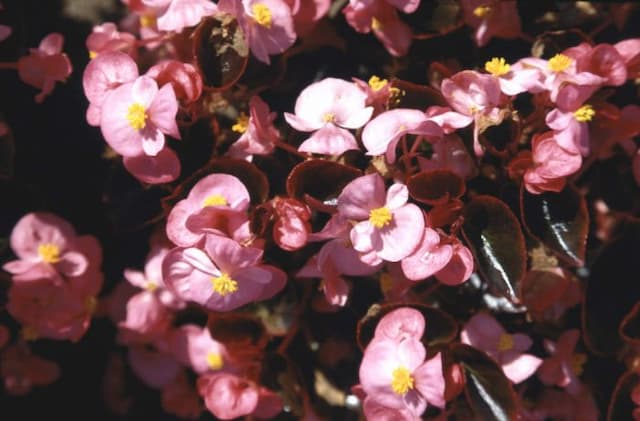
x=221, y=51
x=611, y=291
x=320, y=179
x=435, y=187
x=488, y=391
x=621, y=406
x=416, y=96
x=496, y=240
x=441, y=328
x=558, y=220
x=541, y=289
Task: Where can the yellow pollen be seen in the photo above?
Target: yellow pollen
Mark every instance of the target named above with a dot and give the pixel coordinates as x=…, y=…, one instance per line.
x=482, y=11
x=90, y=304
x=261, y=14
x=401, y=380
x=148, y=20
x=505, y=343
x=50, y=253
x=329, y=117
x=93, y=54
x=29, y=333
x=498, y=66
x=380, y=217
x=242, y=123
x=559, y=62
x=137, y=116
x=376, y=24
x=214, y=200
x=224, y=285
x=215, y=361
x=577, y=363
x=375, y=83
x=584, y=113
x=151, y=286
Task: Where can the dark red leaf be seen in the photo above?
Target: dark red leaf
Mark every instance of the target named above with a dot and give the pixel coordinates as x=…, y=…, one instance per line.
x=435, y=187
x=320, y=179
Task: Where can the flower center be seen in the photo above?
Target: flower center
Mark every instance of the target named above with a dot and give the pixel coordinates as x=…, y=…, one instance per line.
x=151, y=286
x=498, y=66
x=380, y=217
x=401, y=380
x=376, y=24
x=148, y=20
x=505, y=343
x=137, y=116
x=215, y=200
x=329, y=117
x=49, y=253
x=559, y=62
x=224, y=285
x=92, y=55
x=482, y=11
x=90, y=304
x=375, y=83
x=242, y=123
x=215, y=361
x=584, y=113
x=577, y=363
x=261, y=14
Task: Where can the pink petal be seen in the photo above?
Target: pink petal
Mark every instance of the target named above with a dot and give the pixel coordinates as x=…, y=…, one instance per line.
x=482, y=331
x=459, y=268
x=429, y=381
x=401, y=237
x=521, y=368
x=397, y=196
x=329, y=140
x=38, y=228
x=115, y=127
x=163, y=111
x=144, y=90
x=360, y=196
x=428, y=258
x=385, y=129
x=162, y=168
x=230, y=256
x=106, y=72
x=155, y=369
x=152, y=140
x=185, y=13
x=365, y=237
x=51, y=44
x=228, y=396
x=400, y=324
x=72, y=263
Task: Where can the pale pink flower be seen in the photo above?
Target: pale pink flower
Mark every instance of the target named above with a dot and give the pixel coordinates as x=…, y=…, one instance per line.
x=183, y=77
x=602, y=60
x=552, y=164
x=220, y=198
x=193, y=346
x=228, y=396
x=571, y=130
x=629, y=49
x=491, y=18
x=459, y=267
x=564, y=366
x=162, y=168
x=258, y=134
x=47, y=246
x=45, y=65
x=180, y=398
x=378, y=92
x=139, y=116
x=106, y=38
x=291, y=228
x=268, y=24
x=428, y=258
x=483, y=332
x=401, y=324
x=147, y=319
x=328, y=108
x=382, y=134
x=175, y=15
x=449, y=153
x=21, y=370
x=307, y=13
x=515, y=78
x=153, y=367
x=386, y=228
x=223, y=276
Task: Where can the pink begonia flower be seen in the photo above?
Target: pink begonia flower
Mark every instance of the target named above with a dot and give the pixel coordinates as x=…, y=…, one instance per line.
x=175, y=15
x=449, y=153
x=183, y=77
x=382, y=134
x=258, y=134
x=180, y=398
x=476, y=97
x=307, y=13
x=291, y=228
x=602, y=60
x=565, y=365
x=386, y=228
x=629, y=49
x=151, y=278
x=428, y=258
x=514, y=78
x=193, y=346
x=459, y=268
x=328, y=108
x=45, y=65
x=228, y=396
x=571, y=130
x=401, y=324
x=213, y=194
x=46, y=246
x=394, y=373
x=139, y=116
x=106, y=38
x=381, y=17
x=483, y=332
x=223, y=276
x=551, y=165
x=491, y=18
x=162, y=168
x=102, y=75
x=268, y=24
x=21, y=370
x=378, y=92
x=146, y=319
x=154, y=368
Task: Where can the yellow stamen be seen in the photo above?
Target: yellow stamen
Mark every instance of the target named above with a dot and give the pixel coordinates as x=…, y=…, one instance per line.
x=50, y=253
x=584, y=113
x=215, y=361
x=151, y=286
x=380, y=217
x=559, y=62
x=242, y=123
x=261, y=14
x=90, y=304
x=376, y=24
x=148, y=20
x=577, y=363
x=482, y=11
x=137, y=116
x=401, y=380
x=214, y=200
x=29, y=333
x=93, y=54
x=224, y=285
x=505, y=343
x=329, y=117
x=375, y=83
x=498, y=66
